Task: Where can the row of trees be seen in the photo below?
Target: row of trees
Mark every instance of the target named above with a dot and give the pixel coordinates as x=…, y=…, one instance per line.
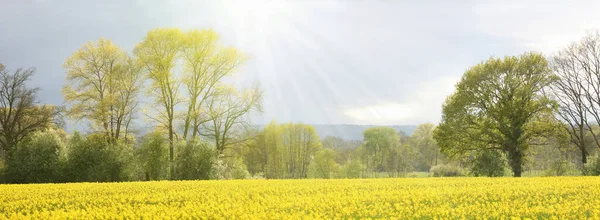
x=188, y=99
x=523, y=112
x=184, y=73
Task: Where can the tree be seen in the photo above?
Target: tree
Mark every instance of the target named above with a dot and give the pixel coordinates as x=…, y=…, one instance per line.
x=157, y=54
x=499, y=105
x=206, y=64
x=422, y=141
x=20, y=113
x=578, y=90
x=378, y=142
x=228, y=113
x=285, y=150
x=153, y=156
x=102, y=86
x=324, y=165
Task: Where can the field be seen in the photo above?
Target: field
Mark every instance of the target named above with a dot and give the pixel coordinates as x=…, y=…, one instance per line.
x=425, y=198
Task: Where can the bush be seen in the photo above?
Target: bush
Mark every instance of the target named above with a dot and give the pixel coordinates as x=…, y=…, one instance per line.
x=39, y=158
x=592, y=167
x=239, y=171
x=561, y=168
x=153, y=156
x=489, y=163
x=323, y=165
x=195, y=160
x=445, y=171
x=353, y=169
x=93, y=159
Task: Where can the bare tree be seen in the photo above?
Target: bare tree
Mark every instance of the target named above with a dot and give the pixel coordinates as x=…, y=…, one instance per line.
x=20, y=113
x=578, y=90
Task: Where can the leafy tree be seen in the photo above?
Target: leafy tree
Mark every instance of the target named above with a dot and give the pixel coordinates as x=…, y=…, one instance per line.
x=20, y=113
x=288, y=150
x=206, y=64
x=39, y=158
x=153, y=156
x=323, y=165
x=428, y=152
x=496, y=107
x=102, y=86
x=157, y=54
x=378, y=142
x=195, y=160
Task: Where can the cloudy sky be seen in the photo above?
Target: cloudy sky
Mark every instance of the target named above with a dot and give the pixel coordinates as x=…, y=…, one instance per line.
x=321, y=62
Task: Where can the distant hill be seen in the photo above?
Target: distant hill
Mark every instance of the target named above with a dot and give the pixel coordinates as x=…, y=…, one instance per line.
x=354, y=132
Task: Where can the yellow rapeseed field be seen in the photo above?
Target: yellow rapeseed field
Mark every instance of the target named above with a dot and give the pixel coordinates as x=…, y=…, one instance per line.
x=424, y=198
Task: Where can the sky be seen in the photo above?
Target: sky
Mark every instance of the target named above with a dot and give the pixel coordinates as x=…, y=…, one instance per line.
x=380, y=62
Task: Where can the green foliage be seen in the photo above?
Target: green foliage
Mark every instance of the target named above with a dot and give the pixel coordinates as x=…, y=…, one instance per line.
x=37, y=159
x=324, y=165
x=153, y=156
x=353, y=169
x=94, y=159
x=195, y=160
x=592, y=167
x=489, y=163
x=428, y=153
x=443, y=170
x=498, y=104
x=289, y=149
x=239, y=170
x=345, y=149
x=561, y=168
x=378, y=142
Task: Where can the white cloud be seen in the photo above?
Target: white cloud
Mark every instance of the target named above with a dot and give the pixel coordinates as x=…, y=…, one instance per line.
x=424, y=107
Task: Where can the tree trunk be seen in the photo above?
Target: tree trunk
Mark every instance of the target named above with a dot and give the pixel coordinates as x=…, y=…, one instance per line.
x=584, y=155
x=516, y=162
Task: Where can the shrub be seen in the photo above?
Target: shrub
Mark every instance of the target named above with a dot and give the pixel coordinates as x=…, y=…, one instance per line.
x=489, y=163
x=445, y=171
x=239, y=171
x=195, y=160
x=592, y=167
x=323, y=165
x=93, y=159
x=153, y=156
x=561, y=168
x=353, y=169
x=39, y=158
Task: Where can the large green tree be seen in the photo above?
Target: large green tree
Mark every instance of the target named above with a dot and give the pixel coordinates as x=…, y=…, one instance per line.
x=498, y=104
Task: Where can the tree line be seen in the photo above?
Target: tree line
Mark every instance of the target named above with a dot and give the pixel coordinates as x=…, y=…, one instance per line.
x=507, y=116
